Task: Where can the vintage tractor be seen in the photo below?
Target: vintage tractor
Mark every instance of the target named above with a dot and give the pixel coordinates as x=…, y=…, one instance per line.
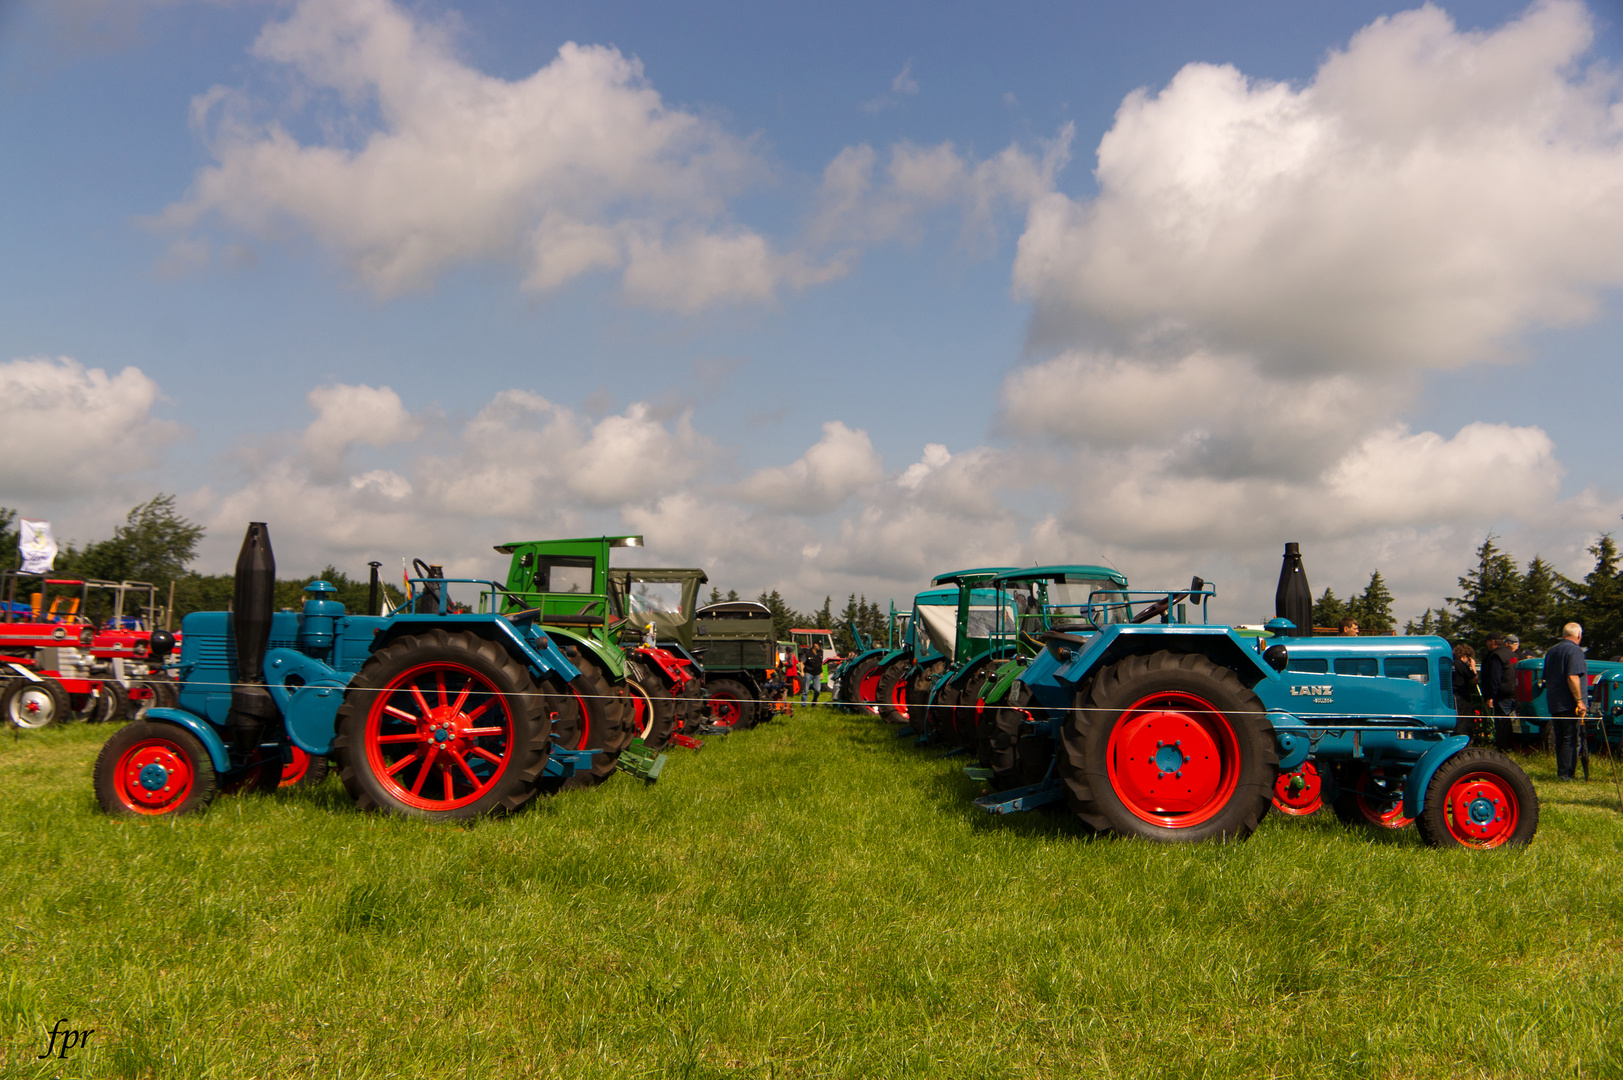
x=858, y=686
x=121, y=652
x=1039, y=599
x=1175, y=730
x=894, y=669
x=427, y=712
x=667, y=678
x=734, y=639
x=965, y=638
x=45, y=666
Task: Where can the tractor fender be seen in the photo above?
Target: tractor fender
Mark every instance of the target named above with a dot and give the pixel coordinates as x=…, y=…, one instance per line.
x=205, y=732
x=1118, y=641
x=889, y=658
x=1414, y=787
x=1003, y=680
x=1290, y=739
x=611, y=658
x=310, y=709
x=540, y=653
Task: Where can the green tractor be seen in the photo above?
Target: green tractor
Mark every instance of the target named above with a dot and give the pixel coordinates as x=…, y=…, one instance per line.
x=736, y=642
x=668, y=684
x=566, y=584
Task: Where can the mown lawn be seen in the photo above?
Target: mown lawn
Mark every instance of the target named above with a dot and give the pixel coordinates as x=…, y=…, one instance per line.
x=813, y=898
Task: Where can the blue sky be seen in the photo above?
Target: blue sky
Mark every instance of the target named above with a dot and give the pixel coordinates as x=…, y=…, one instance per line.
x=1167, y=284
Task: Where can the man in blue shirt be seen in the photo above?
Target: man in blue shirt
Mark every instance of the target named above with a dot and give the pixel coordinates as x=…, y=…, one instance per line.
x=1566, y=693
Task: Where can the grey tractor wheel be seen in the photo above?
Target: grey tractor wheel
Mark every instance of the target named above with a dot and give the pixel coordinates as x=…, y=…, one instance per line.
x=34, y=705
x=1169, y=747
x=1479, y=799
x=112, y=703
x=443, y=725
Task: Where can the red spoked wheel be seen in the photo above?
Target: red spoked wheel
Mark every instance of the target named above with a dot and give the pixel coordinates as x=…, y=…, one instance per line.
x=1479, y=799
x=147, y=769
x=1173, y=760
x=439, y=736
x=1299, y=793
x=1372, y=797
x=296, y=769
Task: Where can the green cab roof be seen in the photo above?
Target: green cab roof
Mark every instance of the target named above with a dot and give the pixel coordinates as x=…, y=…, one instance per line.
x=976, y=572
x=611, y=541
x=1066, y=572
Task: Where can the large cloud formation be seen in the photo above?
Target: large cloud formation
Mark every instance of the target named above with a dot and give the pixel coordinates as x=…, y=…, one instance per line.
x=1429, y=194
x=425, y=163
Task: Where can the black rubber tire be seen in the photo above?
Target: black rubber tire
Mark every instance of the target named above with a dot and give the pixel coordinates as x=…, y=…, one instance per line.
x=1016, y=761
x=507, y=684
x=165, y=694
x=112, y=703
x=1433, y=823
x=852, y=680
x=182, y=743
x=34, y=705
x=921, y=717
x=1100, y=706
x=748, y=711
x=647, y=686
x=889, y=679
x=609, y=713
x=963, y=717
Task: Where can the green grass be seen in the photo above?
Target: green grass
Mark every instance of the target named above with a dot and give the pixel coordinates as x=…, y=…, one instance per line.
x=813, y=898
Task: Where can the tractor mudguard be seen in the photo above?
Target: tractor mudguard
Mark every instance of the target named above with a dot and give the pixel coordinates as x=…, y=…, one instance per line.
x=1290, y=739
x=310, y=711
x=205, y=732
x=1003, y=680
x=612, y=659
x=1414, y=787
x=531, y=646
x=1117, y=641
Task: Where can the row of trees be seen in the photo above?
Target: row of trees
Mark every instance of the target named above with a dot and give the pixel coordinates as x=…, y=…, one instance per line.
x=1498, y=597
x=1372, y=608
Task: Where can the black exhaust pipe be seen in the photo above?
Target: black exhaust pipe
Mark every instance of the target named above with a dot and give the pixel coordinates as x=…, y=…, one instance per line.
x=255, y=596
x=373, y=604
x=1293, y=599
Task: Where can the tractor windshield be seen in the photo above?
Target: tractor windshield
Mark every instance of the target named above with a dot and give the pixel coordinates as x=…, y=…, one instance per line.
x=1068, y=604
x=655, y=598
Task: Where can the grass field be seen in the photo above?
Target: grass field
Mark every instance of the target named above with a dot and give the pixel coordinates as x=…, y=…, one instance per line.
x=813, y=898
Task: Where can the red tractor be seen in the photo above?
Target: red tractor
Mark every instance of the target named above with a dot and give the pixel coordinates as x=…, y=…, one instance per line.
x=44, y=674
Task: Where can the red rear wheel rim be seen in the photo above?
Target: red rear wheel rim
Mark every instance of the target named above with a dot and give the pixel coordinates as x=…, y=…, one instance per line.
x=439, y=736
x=725, y=710
x=1173, y=759
x=898, y=696
x=868, y=691
x=642, y=711
x=294, y=770
x=1481, y=810
x=1379, y=807
x=1299, y=793
x=155, y=776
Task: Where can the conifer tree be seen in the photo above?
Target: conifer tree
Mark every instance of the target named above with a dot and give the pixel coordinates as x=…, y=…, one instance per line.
x=1373, y=607
x=1328, y=611
x=1488, y=594
x=1597, y=602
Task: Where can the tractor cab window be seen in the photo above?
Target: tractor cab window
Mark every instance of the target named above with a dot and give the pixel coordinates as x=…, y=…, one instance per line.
x=558, y=574
x=655, y=598
x=982, y=622
x=1358, y=665
x=1417, y=668
x=1310, y=665
x=1068, y=604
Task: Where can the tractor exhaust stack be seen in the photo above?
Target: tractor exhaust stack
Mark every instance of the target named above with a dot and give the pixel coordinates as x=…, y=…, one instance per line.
x=253, y=605
x=1293, y=599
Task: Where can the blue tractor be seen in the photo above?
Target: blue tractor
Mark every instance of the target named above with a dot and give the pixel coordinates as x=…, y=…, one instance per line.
x=432, y=711
x=1172, y=729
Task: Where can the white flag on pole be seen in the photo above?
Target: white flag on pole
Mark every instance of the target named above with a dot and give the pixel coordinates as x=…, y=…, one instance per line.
x=37, y=547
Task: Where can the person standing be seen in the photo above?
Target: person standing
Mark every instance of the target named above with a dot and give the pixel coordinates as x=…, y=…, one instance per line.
x=1467, y=700
x=812, y=670
x=1566, y=693
x=1499, y=687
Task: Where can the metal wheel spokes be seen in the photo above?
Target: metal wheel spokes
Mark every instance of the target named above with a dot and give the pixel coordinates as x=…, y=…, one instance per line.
x=642, y=710
x=725, y=710
x=154, y=776
x=439, y=736
x=1380, y=800
x=1299, y=793
x=1481, y=810
x=1173, y=759
x=33, y=707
